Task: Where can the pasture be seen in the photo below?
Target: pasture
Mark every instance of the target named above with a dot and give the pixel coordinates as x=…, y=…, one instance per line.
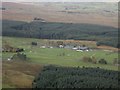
x=59, y=56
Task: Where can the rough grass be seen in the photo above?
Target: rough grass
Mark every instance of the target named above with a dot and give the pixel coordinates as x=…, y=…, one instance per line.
x=19, y=74
x=21, y=12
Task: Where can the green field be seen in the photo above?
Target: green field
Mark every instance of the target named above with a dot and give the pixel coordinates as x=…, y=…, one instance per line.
x=45, y=56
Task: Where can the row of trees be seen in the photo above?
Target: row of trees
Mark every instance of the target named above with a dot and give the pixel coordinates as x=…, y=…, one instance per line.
x=66, y=77
x=92, y=59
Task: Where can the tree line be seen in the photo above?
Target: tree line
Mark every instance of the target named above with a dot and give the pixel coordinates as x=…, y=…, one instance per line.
x=104, y=35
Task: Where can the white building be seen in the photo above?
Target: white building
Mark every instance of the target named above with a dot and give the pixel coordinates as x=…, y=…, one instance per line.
x=61, y=46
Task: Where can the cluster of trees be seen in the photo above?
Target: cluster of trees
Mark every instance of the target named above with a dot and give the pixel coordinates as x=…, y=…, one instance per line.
x=69, y=77
x=51, y=30
x=34, y=43
x=102, y=61
x=89, y=59
x=8, y=48
x=93, y=60
x=19, y=56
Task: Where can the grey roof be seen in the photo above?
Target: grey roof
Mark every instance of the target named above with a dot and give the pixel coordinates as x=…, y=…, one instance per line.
x=67, y=46
x=83, y=48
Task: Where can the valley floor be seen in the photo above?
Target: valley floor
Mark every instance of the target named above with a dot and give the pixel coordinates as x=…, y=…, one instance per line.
x=23, y=72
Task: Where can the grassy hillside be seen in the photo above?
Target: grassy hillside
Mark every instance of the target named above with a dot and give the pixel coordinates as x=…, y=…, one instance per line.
x=21, y=73
x=49, y=30
x=55, y=56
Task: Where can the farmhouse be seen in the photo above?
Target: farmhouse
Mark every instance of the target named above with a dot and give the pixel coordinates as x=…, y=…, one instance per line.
x=83, y=48
x=43, y=46
x=50, y=47
x=61, y=46
x=75, y=48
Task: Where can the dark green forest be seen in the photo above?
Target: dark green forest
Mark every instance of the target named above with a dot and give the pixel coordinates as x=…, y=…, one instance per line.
x=69, y=77
x=104, y=35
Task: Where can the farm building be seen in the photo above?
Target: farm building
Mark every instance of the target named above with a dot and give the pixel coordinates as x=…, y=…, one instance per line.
x=43, y=46
x=61, y=46
x=83, y=48
x=50, y=46
x=69, y=46
x=78, y=48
